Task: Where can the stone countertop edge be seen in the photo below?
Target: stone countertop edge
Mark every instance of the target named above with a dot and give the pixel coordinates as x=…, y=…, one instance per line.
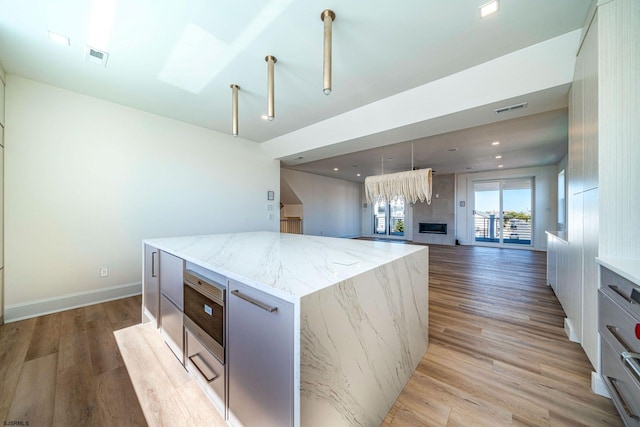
x=627, y=268
x=406, y=250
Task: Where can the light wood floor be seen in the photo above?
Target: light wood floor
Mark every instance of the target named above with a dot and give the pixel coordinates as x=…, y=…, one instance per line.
x=497, y=356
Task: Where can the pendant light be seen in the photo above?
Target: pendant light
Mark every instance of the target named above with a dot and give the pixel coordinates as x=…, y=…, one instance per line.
x=327, y=16
x=234, y=109
x=411, y=186
x=271, y=109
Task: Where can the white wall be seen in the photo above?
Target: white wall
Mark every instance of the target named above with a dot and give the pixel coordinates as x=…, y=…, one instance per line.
x=293, y=211
x=87, y=180
x=544, y=208
x=331, y=206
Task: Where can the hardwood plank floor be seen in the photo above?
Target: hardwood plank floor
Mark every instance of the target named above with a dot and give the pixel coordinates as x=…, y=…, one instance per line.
x=65, y=369
x=497, y=356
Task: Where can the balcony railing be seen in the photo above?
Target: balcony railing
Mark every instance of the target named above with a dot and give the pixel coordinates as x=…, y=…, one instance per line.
x=488, y=229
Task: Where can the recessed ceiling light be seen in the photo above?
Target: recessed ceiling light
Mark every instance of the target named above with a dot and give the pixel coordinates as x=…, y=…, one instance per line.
x=264, y=117
x=336, y=169
x=498, y=156
x=489, y=8
x=58, y=38
x=357, y=174
x=495, y=143
x=500, y=166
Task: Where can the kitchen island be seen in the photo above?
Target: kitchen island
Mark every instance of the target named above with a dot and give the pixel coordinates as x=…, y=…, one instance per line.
x=355, y=316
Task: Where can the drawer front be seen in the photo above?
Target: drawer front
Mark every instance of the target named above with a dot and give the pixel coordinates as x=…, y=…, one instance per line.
x=207, y=370
x=621, y=290
x=624, y=389
x=617, y=326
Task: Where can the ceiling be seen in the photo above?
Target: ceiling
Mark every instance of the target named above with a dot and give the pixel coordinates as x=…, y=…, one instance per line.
x=178, y=59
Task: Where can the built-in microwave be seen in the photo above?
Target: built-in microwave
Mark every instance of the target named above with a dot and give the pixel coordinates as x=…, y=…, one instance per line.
x=204, y=312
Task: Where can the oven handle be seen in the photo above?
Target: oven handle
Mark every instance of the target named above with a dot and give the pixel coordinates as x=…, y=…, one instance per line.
x=255, y=302
x=191, y=358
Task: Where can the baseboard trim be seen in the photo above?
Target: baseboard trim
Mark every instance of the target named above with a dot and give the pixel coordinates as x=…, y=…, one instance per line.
x=570, y=330
x=598, y=385
x=13, y=313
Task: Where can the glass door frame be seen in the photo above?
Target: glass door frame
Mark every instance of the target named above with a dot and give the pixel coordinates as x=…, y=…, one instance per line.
x=501, y=240
x=388, y=220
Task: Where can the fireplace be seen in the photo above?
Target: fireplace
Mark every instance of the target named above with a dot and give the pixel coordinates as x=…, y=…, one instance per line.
x=432, y=228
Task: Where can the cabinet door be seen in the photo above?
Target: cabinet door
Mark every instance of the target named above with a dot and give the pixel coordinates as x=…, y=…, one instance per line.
x=552, y=258
x=260, y=358
x=151, y=285
x=171, y=278
x=1, y=103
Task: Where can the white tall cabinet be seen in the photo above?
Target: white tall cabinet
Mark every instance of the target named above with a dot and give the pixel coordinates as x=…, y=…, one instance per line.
x=602, y=171
x=2, y=88
x=581, y=303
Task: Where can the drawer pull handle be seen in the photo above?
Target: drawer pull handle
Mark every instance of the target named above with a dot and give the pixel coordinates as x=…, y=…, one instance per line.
x=255, y=302
x=623, y=402
x=153, y=264
x=197, y=360
x=616, y=335
x=617, y=290
x=631, y=360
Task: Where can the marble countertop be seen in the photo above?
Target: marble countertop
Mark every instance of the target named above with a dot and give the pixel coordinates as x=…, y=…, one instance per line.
x=627, y=268
x=288, y=266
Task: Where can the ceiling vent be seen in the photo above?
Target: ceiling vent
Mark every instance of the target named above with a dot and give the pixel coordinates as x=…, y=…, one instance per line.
x=96, y=56
x=511, y=108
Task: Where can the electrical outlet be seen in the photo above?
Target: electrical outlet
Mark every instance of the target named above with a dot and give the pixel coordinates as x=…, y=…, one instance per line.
x=104, y=272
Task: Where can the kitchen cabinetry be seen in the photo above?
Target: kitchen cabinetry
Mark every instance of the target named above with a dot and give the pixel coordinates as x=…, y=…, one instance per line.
x=151, y=286
x=1, y=202
x=552, y=263
x=261, y=358
x=172, y=302
x=619, y=328
x=577, y=276
x=1, y=102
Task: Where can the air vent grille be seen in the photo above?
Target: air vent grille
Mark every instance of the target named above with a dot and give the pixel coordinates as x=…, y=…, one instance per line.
x=511, y=107
x=96, y=56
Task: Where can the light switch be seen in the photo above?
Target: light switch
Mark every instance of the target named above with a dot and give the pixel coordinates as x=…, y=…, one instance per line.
x=269, y=206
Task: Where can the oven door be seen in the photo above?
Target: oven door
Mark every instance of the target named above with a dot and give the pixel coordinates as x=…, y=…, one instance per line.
x=204, y=317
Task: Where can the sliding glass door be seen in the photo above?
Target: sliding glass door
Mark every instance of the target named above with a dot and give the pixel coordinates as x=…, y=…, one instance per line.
x=502, y=211
x=389, y=218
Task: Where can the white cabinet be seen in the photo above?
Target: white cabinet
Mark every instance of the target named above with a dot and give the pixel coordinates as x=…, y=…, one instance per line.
x=260, y=358
x=151, y=285
x=577, y=273
x=172, y=302
x=552, y=263
x=1, y=103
